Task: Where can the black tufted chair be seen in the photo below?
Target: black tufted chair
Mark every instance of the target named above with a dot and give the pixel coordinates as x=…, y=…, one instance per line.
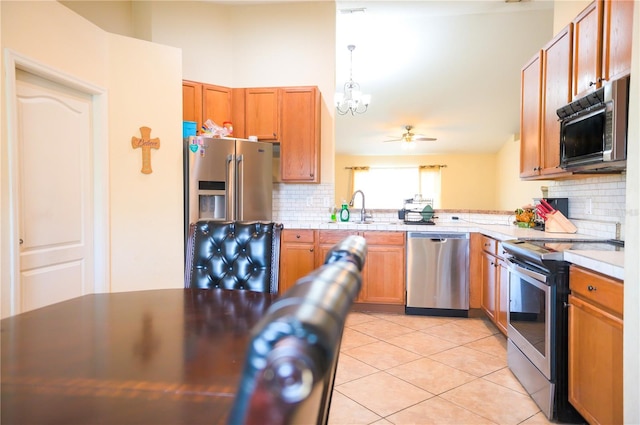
x=289, y=371
x=233, y=255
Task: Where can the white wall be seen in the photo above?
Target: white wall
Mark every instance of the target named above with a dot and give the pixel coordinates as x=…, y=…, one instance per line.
x=145, y=86
x=256, y=46
x=512, y=193
x=143, y=82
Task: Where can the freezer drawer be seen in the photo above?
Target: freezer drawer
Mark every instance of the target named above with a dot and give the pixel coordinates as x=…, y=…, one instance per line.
x=437, y=274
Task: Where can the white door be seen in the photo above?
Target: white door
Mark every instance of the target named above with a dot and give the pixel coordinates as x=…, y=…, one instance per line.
x=55, y=210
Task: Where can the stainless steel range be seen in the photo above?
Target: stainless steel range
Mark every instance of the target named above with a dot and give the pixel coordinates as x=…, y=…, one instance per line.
x=537, y=329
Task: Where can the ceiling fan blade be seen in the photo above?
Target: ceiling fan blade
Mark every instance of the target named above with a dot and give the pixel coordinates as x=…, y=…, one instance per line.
x=424, y=139
x=392, y=140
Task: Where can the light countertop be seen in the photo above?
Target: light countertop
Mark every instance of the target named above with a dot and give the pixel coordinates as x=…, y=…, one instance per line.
x=610, y=263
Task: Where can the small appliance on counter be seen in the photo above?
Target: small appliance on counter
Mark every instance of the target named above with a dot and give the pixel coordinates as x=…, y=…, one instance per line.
x=417, y=211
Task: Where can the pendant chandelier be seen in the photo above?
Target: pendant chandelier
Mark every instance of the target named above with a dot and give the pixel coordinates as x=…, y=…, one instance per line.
x=352, y=100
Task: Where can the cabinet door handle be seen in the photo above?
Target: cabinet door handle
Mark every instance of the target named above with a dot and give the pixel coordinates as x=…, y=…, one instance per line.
x=591, y=288
x=310, y=249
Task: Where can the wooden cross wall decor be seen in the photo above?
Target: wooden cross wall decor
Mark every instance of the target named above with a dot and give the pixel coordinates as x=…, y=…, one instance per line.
x=145, y=143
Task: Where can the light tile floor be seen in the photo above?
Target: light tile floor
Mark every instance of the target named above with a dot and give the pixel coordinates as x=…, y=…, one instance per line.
x=397, y=369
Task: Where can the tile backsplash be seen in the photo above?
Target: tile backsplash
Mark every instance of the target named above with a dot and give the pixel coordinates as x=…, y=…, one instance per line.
x=302, y=202
x=596, y=204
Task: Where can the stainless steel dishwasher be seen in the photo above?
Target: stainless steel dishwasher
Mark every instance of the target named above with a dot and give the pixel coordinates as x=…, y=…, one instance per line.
x=438, y=274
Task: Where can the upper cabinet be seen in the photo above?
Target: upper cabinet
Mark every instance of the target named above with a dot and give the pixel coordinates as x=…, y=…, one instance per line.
x=556, y=93
x=261, y=117
x=201, y=102
x=595, y=47
x=602, y=44
x=587, y=50
x=617, y=37
x=192, y=102
x=216, y=104
x=300, y=134
x=286, y=115
x=530, y=112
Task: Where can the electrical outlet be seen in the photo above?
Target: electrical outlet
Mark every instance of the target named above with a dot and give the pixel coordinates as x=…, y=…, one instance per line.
x=309, y=200
x=589, y=207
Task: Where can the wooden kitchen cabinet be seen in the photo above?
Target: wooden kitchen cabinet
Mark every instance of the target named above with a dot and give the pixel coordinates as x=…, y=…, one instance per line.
x=383, y=276
x=556, y=93
x=297, y=256
x=595, y=47
x=216, y=104
x=201, y=102
x=502, y=296
x=587, y=49
x=530, y=116
x=300, y=134
x=494, y=282
x=286, y=115
x=602, y=44
x=546, y=86
x=489, y=283
x=595, y=346
x=262, y=117
x=192, y=102
x=617, y=37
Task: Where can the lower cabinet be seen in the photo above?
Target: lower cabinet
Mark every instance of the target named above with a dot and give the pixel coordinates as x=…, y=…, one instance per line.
x=595, y=346
x=491, y=278
x=297, y=256
x=383, y=277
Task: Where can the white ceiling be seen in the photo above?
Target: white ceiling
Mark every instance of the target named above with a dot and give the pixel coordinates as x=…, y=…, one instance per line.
x=449, y=68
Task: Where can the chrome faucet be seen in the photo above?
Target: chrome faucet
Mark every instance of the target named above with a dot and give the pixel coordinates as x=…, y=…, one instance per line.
x=363, y=212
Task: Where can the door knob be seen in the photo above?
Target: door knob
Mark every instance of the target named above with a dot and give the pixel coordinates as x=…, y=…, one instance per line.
x=21, y=241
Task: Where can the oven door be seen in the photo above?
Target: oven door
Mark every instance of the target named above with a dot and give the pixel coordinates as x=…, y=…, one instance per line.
x=529, y=319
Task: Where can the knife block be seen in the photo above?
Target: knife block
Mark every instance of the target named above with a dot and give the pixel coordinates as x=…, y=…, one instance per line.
x=558, y=223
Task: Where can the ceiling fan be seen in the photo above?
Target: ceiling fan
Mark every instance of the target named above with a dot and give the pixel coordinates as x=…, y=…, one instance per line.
x=408, y=136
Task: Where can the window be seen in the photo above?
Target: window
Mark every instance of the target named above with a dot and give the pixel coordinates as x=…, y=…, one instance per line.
x=389, y=187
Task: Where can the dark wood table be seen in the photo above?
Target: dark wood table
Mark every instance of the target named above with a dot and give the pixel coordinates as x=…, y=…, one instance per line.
x=171, y=356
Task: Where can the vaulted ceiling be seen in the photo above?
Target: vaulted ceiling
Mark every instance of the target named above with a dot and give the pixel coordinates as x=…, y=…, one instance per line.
x=449, y=68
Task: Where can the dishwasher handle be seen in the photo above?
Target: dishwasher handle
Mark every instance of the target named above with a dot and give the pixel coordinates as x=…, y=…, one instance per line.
x=437, y=236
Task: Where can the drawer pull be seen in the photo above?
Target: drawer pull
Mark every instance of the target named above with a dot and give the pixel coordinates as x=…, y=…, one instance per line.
x=591, y=288
x=297, y=236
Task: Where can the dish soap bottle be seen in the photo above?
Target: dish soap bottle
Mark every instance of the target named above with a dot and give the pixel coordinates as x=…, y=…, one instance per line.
x=344, y=212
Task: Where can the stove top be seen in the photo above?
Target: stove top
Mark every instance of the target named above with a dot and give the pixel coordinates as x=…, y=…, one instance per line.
x=552, y=249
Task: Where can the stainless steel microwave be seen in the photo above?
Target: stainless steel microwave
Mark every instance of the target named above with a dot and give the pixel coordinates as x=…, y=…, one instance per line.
x=593, y=130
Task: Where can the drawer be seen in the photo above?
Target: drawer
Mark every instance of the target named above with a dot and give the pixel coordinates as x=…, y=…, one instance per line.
x=332, y=237
x=596, y=288
x=489, y=245
x=384, y=238
x=298, y=235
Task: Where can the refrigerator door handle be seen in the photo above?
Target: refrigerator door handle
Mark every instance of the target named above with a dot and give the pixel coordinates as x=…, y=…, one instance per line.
x=229, y=198
x=240, y=189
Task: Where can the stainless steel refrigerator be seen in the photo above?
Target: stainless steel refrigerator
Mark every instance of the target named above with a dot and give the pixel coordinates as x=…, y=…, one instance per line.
x=227, y=179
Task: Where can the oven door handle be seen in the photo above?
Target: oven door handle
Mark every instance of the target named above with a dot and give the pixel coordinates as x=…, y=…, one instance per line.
x=519, y=269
